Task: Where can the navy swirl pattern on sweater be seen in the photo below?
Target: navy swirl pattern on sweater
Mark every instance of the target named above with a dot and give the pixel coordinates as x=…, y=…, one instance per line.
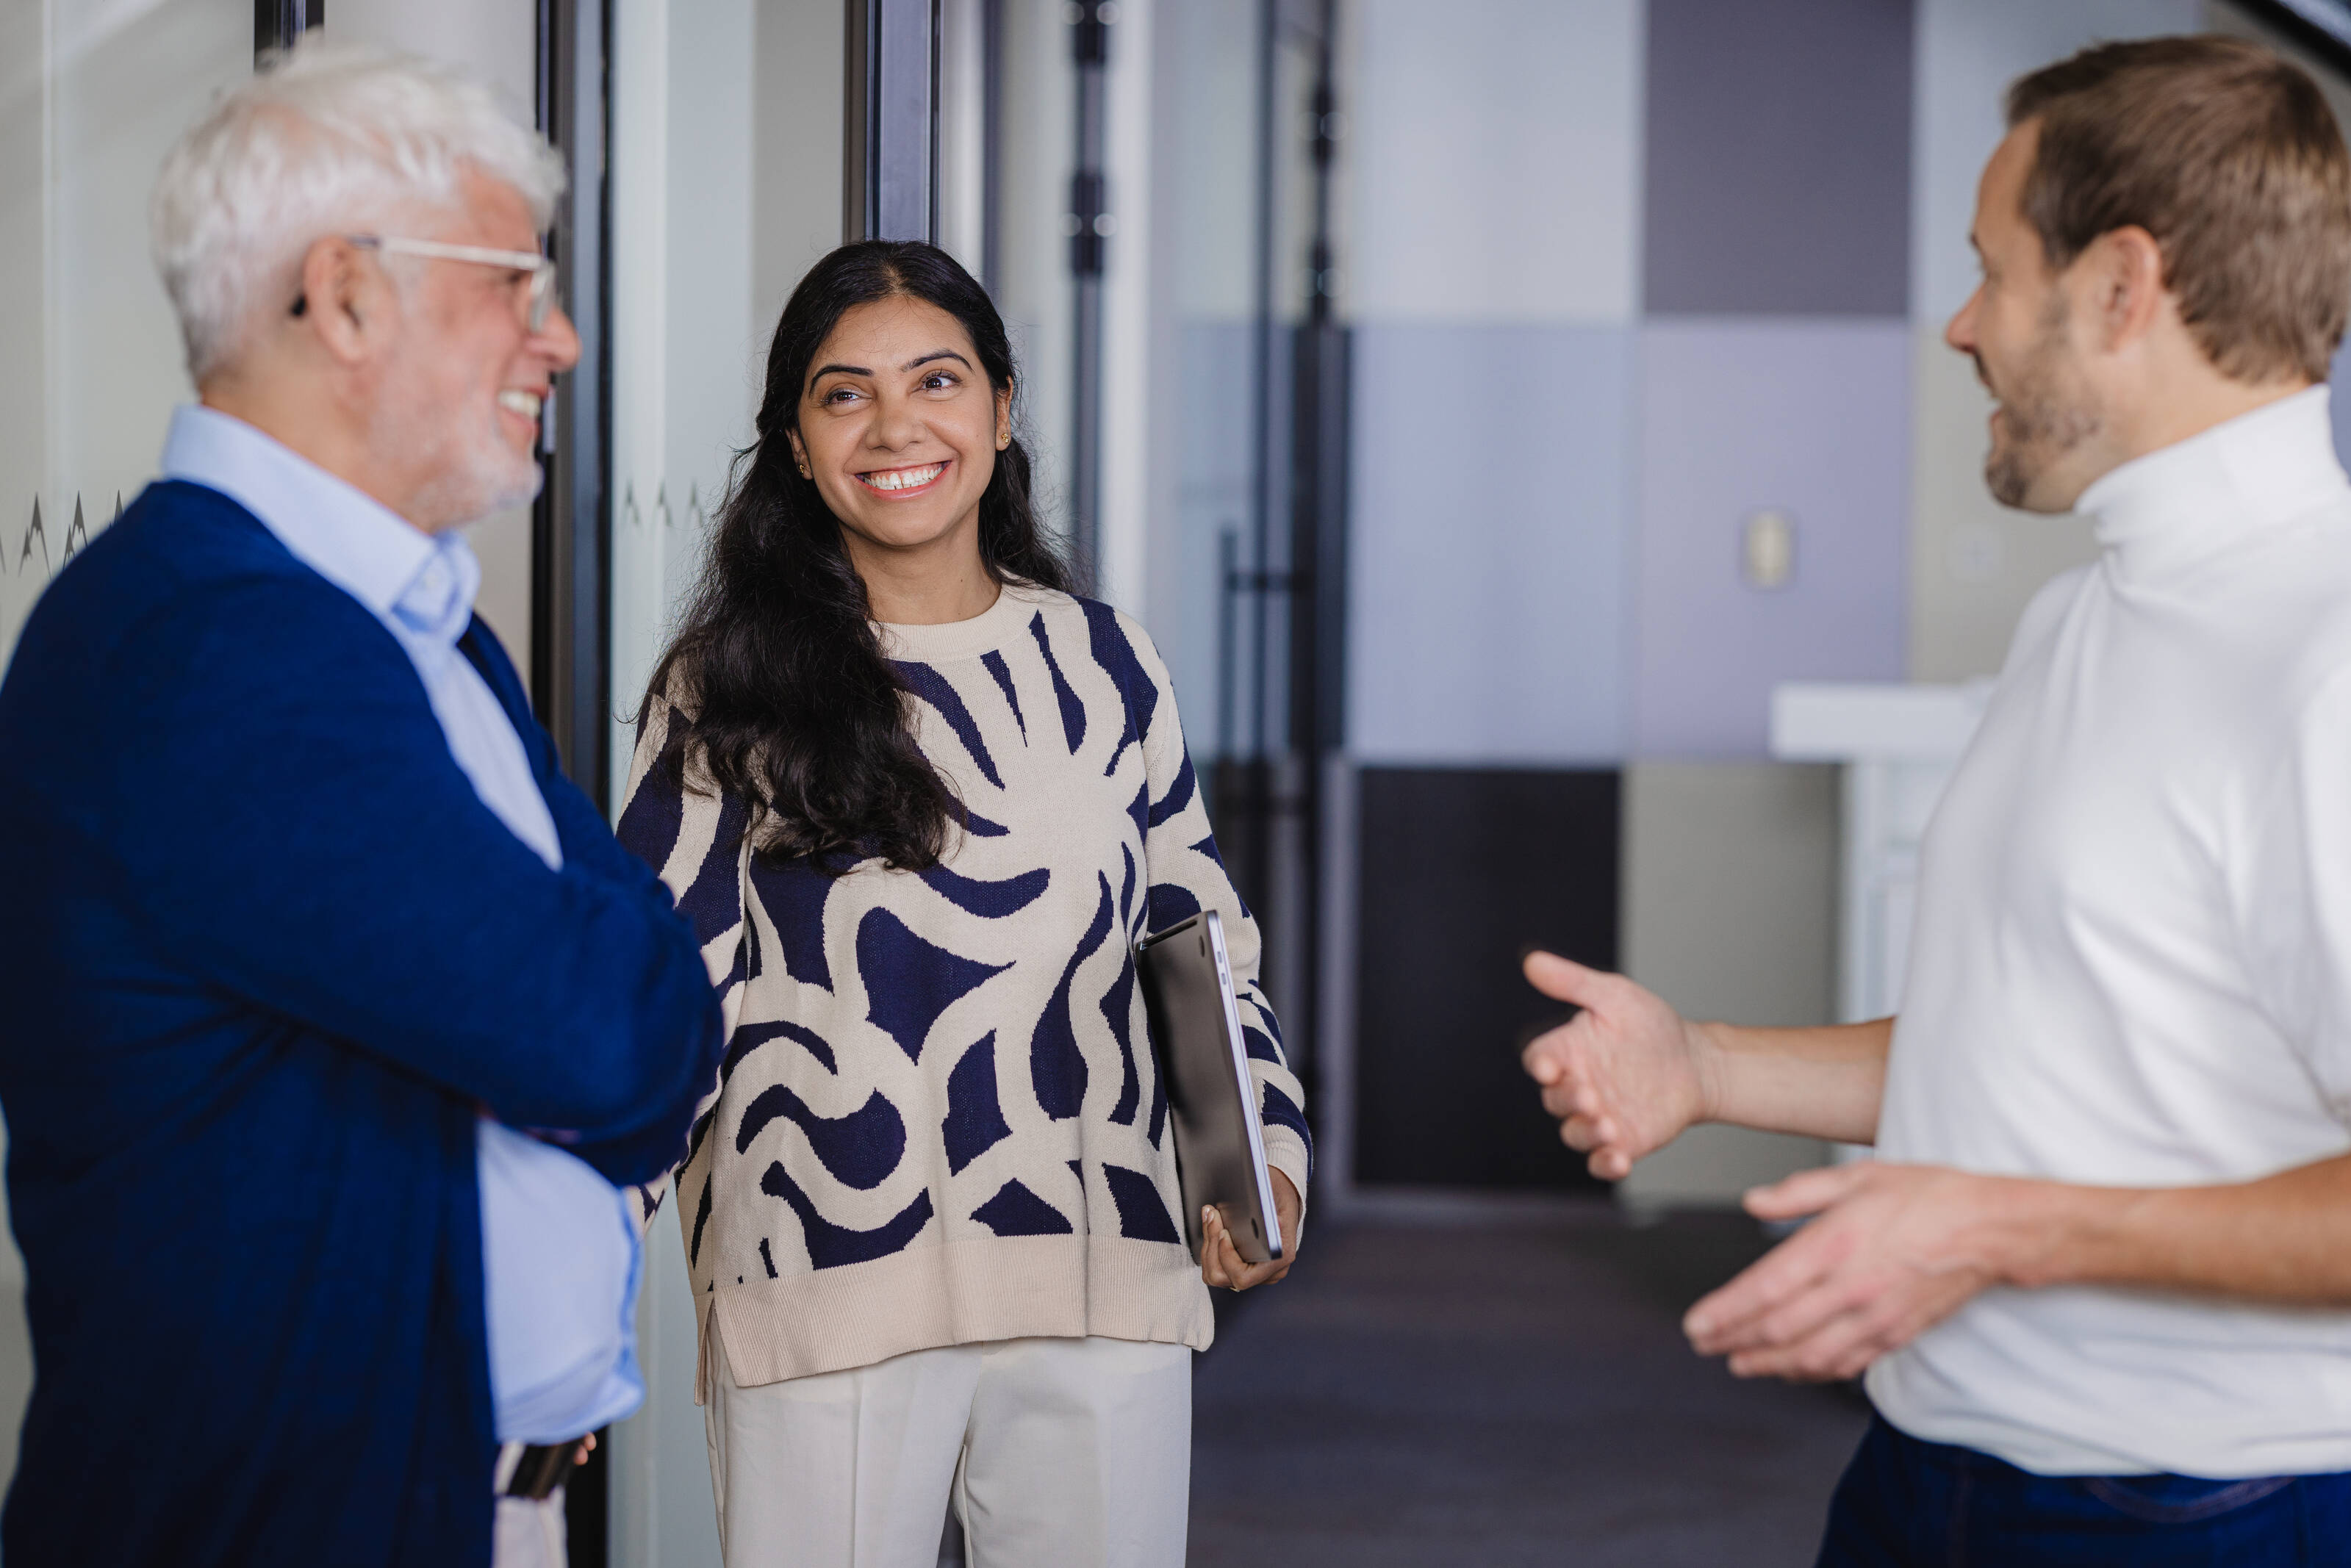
x=968, y=1140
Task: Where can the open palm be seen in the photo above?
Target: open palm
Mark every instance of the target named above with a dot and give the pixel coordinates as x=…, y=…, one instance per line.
x=1625, y=1075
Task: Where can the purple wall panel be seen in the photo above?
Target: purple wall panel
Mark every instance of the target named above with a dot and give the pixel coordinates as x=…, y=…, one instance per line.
x=1779, y=158
x=1808, y=417
x=1490, y=570
x=2339, y=402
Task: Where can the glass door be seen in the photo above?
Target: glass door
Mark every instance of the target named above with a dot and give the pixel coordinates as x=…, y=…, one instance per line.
x=726, y=184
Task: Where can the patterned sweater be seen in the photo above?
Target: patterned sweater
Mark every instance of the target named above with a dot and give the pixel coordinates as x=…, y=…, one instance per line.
x=938, y=1121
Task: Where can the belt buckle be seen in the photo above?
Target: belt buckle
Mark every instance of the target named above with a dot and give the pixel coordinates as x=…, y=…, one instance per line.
x=542, y=1468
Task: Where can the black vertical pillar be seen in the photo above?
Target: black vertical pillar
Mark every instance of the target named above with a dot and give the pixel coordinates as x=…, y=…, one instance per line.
x=1318, y=544
x=571, y=538
x=1243, y=792
x=1090, y=224
x=277, y=24
x=890, y=139
x=571, y=524
x=1282, y=614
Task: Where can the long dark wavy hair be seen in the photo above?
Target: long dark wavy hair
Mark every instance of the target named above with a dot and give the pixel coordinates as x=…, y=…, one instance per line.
x=795, y=711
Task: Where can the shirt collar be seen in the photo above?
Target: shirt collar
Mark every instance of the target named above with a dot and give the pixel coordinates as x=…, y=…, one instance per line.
x=2184, y=502
x=420, y=585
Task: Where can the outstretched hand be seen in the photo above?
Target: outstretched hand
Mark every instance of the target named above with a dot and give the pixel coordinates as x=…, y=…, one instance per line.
x=1625, y=1075
x=1891, y=1250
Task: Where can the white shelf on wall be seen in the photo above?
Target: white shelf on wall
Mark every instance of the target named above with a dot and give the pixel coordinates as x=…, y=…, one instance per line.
x=1899, y=744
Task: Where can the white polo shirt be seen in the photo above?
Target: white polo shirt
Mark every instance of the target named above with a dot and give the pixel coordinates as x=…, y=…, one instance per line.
x=2132, y=965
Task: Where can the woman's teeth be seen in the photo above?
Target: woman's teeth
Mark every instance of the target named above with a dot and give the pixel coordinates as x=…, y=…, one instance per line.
x=903, y=478
x=522, y=402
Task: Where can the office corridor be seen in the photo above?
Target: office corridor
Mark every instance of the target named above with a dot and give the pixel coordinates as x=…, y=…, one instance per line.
x=1503, y=1395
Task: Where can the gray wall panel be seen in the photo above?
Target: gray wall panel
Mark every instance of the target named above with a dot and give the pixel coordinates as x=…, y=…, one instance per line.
x=1974, y=564
x=1779, y=157
x=1729, y=911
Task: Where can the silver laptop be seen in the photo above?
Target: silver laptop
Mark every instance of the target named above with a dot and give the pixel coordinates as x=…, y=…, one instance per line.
x=1195, y=1036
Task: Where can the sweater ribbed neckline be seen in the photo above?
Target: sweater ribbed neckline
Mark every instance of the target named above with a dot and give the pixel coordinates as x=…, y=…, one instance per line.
x=990, y=629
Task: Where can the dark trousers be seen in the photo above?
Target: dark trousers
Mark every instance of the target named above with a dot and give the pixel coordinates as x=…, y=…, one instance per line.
x=1905, y=1503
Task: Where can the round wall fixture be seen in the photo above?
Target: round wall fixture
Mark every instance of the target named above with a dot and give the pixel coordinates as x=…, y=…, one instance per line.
x=1766, y=548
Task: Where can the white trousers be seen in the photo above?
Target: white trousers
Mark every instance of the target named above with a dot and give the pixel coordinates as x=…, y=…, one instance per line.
x=527, y=1534
x=1054, y=1453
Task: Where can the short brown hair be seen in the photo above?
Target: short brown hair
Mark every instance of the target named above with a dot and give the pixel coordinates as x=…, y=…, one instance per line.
x=2229, y=157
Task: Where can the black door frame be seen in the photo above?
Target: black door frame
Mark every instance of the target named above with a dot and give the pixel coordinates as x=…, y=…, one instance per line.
x=571, y=524
x=890, y=130
x=277, y=24
x=2324, y=27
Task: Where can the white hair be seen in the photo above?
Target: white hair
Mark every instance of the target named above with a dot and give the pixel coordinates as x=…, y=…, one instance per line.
x=327, y=138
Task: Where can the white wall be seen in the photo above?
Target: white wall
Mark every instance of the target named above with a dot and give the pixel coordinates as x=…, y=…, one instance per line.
x=1495, y=161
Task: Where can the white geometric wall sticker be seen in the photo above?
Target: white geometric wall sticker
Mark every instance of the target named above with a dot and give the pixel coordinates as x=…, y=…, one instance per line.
x=31, y=561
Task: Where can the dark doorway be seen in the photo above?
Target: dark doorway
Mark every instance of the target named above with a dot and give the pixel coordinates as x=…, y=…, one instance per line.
x=1462, y=871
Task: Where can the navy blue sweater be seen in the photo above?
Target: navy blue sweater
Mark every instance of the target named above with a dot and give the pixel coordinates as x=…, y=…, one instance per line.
x=263, y=955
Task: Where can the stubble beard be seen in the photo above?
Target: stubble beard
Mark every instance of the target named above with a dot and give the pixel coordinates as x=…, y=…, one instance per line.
x=2044, y=414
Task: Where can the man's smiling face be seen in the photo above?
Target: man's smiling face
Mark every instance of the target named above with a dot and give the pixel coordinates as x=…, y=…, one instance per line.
x=2018, y=327
x=458, y=401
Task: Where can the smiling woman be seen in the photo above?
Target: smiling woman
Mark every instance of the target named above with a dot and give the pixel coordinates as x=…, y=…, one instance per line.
x=921, y=801
x=799, y=714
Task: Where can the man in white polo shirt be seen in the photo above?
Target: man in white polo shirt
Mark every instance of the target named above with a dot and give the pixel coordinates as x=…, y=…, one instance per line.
x=2100, y=1274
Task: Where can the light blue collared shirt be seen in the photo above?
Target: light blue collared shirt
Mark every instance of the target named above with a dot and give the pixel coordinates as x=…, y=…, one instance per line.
x=560, y=1255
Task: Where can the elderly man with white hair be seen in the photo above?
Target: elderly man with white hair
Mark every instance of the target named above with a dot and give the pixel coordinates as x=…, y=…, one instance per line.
x=337, y=1022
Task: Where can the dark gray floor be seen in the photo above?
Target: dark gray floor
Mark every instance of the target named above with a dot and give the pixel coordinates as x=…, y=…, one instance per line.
x=1504, y=1395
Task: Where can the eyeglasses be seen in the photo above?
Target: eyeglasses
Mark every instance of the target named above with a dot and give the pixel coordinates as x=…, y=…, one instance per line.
x=541, y=270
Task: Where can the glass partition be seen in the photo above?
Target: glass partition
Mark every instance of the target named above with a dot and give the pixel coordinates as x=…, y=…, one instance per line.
x=90, y=98
x=726, y=168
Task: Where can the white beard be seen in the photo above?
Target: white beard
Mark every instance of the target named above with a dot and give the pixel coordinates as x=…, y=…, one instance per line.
x=474, y=471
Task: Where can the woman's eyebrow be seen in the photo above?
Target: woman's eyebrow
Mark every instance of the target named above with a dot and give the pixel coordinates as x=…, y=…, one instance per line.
x=817, y=375
x=937, y=354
